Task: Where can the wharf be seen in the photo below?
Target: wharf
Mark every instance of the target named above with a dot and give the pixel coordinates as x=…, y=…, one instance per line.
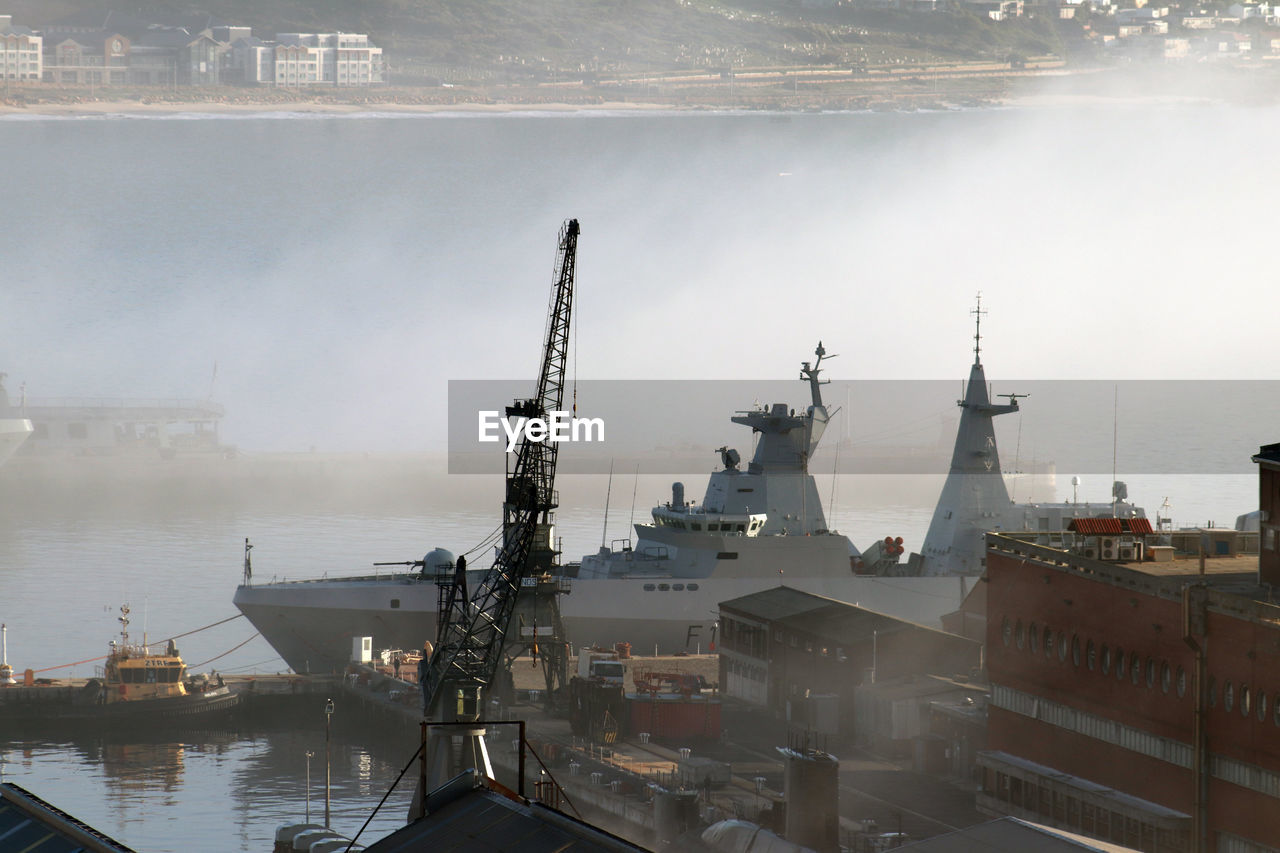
x=50, y=701
x=615, y=786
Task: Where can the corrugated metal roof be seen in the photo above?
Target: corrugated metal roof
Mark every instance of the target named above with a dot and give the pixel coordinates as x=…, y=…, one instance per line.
x=1096, y=526
x=1140, y=525
x=482, y=820
x=1010, y=833
x=776, y=603
x=818, y=615
x=1110, y=526
x=29, y=823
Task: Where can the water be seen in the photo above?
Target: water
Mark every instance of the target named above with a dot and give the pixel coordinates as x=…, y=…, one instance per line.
x=325, y=278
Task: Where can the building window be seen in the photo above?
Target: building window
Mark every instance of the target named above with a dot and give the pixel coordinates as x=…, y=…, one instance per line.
x=1166, y=677
x=1182, y=682
x=1135, y=668
x=1062, y=645
x=1120, y=672
x=1035, y=638
x=1091, y=656
x=1246, y=700
x=395, y=604
x=1006, y=630
x=1228, y=696
x=1048, y=641
x=1075, y=649
x=1151, y=673
x=1106, y=659
x=1020, y=634
x=1262, y=706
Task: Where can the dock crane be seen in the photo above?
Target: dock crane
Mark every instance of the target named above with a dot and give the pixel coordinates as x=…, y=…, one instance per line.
x=473, y=629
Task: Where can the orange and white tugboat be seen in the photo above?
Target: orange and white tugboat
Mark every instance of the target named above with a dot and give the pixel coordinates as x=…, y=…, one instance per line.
x=135, y=684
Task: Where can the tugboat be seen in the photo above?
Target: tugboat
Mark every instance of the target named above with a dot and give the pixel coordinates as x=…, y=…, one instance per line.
x=140, y=686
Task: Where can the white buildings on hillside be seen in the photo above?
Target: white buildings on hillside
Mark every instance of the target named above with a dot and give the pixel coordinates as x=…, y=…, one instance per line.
x=21, y=52
x=135, y=53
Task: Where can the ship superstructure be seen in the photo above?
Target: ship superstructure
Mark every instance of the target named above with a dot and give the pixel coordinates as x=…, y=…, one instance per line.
x=974, y=498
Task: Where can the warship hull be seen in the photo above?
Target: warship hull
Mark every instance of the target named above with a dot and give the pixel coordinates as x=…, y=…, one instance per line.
x=311, y=624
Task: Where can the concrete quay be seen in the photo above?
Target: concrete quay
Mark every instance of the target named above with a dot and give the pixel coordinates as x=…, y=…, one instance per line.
x=60, y=702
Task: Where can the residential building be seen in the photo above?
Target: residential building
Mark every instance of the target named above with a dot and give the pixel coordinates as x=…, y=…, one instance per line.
x=21, y=52
x=250, y=61
x=333, y=59
x=1136, y=702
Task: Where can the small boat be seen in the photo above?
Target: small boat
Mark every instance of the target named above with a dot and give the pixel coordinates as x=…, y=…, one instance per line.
x=136, y=684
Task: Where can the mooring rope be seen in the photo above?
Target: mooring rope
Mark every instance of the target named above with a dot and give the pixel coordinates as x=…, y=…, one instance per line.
x=224, y=654
x=157, y=643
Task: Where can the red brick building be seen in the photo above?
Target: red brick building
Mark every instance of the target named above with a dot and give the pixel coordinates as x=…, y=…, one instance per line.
x=1134, y=702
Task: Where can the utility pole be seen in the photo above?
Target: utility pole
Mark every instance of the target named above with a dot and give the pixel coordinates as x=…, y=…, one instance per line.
x=309, y=754
x=328, y=718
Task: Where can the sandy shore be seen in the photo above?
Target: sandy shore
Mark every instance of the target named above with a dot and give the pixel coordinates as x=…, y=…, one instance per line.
x=110, y=108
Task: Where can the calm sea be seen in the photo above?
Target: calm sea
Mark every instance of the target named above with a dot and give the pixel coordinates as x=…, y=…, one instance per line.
x=324, y=277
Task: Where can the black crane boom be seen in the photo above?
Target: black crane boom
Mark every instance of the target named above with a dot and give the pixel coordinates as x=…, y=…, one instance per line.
x=473, y=630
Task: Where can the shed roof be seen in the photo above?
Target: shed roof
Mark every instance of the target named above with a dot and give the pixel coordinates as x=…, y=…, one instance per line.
x=818, y=615
x=28, y=823
x=1010, y=833
x=480, y=820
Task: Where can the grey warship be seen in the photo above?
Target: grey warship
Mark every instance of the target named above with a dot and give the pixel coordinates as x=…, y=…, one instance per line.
x=756, y=528
x=975, y=499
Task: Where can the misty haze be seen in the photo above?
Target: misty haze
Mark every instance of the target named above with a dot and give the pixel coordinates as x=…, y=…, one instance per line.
x=992, y=562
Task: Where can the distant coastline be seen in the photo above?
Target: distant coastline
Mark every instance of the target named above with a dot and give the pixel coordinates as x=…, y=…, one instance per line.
x=1039, y=88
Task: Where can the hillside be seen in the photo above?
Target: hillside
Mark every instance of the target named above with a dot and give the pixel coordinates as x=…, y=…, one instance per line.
x=532, y=39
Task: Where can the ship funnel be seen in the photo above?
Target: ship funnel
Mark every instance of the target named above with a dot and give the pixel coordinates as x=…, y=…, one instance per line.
x=677, y=495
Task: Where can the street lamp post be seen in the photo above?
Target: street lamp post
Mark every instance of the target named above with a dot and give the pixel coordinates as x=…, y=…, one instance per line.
x=328, y=718
x=309, y=755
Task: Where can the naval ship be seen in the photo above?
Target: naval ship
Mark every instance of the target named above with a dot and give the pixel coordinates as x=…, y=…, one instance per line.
x=756, y=528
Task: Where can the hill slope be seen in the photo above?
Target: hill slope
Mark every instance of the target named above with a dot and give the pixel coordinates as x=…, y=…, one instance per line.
x=539, y=36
